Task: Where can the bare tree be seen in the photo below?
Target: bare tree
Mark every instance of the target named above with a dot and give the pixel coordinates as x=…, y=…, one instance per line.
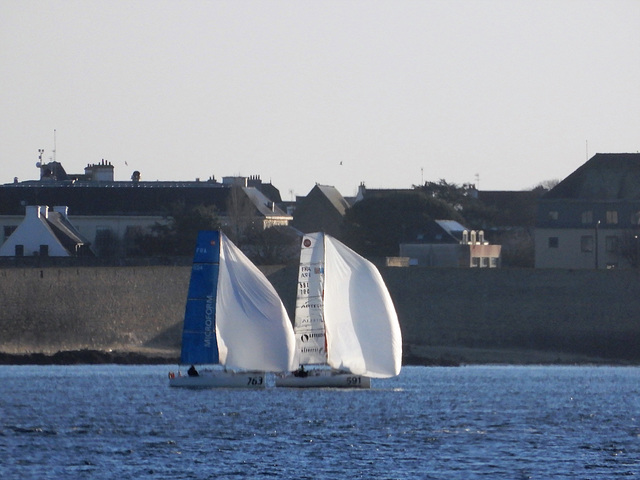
x=241, y=214
x=630, y=248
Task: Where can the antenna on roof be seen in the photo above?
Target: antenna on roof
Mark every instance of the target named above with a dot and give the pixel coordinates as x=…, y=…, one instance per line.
x=54, y=144
x=587, y=147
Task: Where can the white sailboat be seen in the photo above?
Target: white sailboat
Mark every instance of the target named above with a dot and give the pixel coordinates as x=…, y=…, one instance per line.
x=346, y=326
x=235, y=326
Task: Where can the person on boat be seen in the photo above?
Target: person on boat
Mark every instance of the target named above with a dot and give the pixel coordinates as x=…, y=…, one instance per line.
x=192, y=372
x=301, y=372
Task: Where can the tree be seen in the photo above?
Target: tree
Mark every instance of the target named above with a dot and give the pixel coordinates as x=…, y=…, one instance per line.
x=630, y=247
x=463, y=199
x=517, y=247
x=273, y=246
x=242, y=215
x=547, y=184
x=107, y=243
x=376, y=226
x=177, y=234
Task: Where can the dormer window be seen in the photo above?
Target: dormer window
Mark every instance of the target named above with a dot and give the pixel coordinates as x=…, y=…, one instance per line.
x=553, y=215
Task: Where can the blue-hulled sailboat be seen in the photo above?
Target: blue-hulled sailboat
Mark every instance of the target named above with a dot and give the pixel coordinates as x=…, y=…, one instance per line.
x=235, y=326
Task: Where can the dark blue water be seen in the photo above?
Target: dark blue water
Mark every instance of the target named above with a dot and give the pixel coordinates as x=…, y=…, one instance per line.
x=430, y=423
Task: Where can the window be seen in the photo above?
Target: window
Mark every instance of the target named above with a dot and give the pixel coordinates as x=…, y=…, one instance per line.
x=635, y=218
x=612, y=217
x=475, y=262
x=587, y=217
x=44, y=250
x=611, y=243
x=494, y=262
x=586, y=243
x=553, y=215
x=553, y=242
x=19, y=250
x=485, y=262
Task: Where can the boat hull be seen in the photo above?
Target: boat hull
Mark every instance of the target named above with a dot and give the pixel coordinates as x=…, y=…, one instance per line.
x=219, y=379
x=324, y=380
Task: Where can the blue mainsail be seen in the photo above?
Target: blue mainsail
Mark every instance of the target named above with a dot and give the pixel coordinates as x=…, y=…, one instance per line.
x=199, y=344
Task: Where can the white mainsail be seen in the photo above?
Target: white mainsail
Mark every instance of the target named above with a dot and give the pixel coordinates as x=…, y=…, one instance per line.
x=252, y=326
x=344, y=314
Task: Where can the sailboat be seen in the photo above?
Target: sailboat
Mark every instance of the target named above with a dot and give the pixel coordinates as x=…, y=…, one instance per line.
x=346, y=326
x=235, y=326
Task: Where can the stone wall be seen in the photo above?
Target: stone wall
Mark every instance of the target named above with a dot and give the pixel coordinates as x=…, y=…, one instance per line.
x=590, y=313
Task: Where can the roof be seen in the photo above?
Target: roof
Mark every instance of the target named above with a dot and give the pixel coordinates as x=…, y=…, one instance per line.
x=66, y=233
x=442, y=231
x=335, y=197
x=451, y=226
x=123, y=198
x=265, y=206
x=606, y=176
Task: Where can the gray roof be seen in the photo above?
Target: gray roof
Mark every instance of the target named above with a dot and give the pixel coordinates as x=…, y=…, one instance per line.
x=123, y=198
x=451, y=226
x=335, y=197
x=265, y=206
x=66, y=233
x=606, y=176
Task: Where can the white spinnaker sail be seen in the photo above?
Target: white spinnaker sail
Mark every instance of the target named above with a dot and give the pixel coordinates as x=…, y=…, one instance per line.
x=362, y=329
x=253, y=329
x=309, y=319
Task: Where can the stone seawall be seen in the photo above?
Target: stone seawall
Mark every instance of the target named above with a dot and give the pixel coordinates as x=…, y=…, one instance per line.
x=456, y=315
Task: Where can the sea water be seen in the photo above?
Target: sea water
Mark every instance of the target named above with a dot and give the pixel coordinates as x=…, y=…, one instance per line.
x=121, y=422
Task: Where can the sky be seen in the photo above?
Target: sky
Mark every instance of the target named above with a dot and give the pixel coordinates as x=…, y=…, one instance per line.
x=505, y=94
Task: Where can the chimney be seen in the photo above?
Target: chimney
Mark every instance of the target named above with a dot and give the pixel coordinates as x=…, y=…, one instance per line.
x=44, y=211
x=32, y=211
x=62, y=210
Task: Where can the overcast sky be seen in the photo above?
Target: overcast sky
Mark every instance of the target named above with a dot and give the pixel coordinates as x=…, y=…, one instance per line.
x=389, y=93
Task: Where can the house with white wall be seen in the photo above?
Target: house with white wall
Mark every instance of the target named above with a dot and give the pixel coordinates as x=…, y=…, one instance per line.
x=47, y=233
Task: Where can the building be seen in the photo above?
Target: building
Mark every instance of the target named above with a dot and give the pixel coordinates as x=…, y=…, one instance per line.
x=104, y=210
x=591, y=219
x=45, y=233
x=322, y=210
x=446, y=243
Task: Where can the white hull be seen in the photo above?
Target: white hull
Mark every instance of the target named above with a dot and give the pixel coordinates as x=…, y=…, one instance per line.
x=219, y=379
x=324, y=379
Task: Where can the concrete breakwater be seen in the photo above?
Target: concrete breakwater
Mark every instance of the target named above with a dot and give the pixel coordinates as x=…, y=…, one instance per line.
x=446, y=315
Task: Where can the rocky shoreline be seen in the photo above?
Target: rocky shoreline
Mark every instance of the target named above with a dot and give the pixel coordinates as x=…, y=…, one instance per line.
x=85, y=357
x=99, y=357
x=413, y=356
